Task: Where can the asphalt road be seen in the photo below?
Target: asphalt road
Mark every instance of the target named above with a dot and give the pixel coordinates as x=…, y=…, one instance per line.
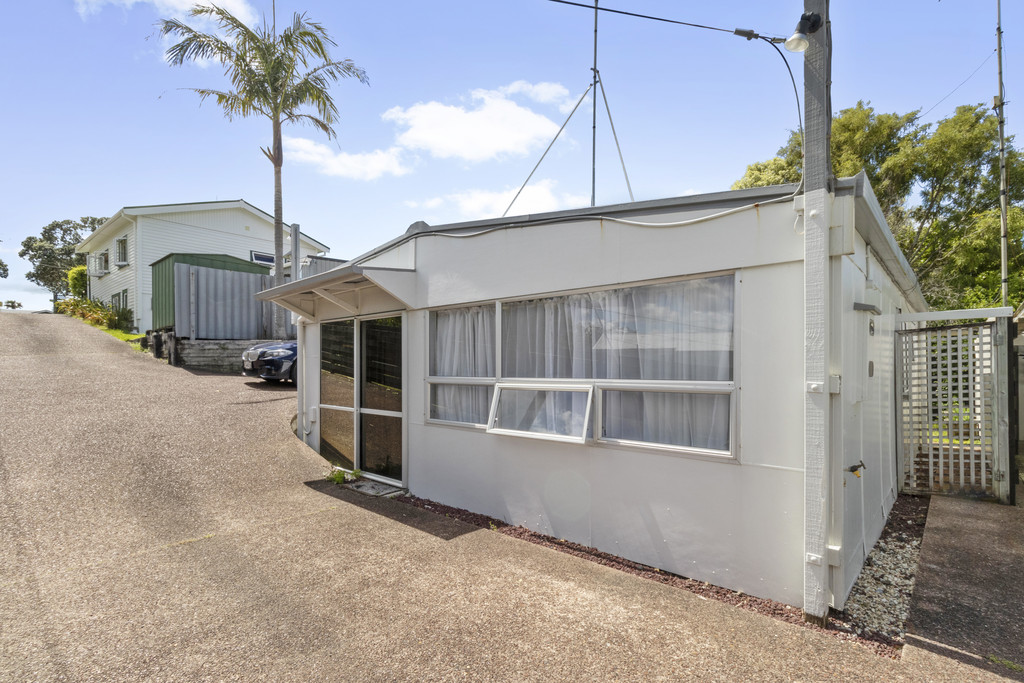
x=165, y=526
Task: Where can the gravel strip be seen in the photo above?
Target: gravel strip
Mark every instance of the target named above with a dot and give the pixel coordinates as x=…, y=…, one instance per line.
x=875, y=611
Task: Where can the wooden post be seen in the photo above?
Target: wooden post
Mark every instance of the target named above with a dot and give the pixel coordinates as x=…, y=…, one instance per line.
x=817, y=218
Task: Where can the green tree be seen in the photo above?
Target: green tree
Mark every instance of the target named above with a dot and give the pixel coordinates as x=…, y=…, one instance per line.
x=12, y=304
x=280, y=76
x=78, y=281
x=936, y=185
x=52, y=253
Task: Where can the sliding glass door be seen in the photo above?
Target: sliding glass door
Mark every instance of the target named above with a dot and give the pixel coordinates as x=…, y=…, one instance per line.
x=361, y=395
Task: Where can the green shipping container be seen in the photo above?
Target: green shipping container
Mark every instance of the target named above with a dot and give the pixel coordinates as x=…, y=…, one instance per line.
x=163, y=279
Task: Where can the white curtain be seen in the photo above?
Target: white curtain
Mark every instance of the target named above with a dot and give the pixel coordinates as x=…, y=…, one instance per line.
x=674, y=331
x=463, y=346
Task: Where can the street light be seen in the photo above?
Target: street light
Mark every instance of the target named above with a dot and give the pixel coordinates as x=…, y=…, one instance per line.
x=808, y=24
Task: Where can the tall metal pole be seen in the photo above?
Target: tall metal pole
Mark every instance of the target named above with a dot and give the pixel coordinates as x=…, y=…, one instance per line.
x=593, y=144
x=999, y=104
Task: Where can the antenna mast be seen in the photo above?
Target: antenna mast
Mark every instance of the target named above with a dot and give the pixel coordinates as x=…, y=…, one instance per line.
x=999, y=104
x=593, y=143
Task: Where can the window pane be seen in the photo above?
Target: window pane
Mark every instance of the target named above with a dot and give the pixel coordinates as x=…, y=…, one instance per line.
x=675, y=419
x=672, y=331
x=462, y=342
x=382, y=364
x=337, y=437
x=460, y=402
x=337, y=383
x=381, y=437
x=542, y=411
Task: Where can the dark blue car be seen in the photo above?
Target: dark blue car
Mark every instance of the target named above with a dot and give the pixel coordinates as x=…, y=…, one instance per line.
x=272, y=361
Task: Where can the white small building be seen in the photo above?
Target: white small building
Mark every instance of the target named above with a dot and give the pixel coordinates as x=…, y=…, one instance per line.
x=628, y=377
x=121, y=250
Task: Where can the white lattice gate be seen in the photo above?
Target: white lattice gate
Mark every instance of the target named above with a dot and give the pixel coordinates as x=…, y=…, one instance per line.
x=954, y=409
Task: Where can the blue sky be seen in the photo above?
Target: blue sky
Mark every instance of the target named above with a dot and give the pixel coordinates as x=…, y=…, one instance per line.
x=464, y=96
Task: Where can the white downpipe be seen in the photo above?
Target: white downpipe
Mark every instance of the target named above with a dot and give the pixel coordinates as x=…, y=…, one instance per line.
x=300, y=389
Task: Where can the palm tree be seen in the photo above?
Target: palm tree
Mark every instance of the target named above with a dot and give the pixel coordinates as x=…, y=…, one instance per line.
x=272, y=75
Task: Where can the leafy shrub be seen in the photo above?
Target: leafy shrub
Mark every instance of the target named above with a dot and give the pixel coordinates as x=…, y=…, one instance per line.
x=78, y=281
x=98, y=313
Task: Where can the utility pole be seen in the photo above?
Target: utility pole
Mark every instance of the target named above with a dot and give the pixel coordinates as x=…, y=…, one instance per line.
x=817, y=303
x=999, y=105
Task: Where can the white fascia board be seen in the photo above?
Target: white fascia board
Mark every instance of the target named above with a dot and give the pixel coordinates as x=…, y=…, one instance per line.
x=871, y=224
x=100, y=234
x=336, y=276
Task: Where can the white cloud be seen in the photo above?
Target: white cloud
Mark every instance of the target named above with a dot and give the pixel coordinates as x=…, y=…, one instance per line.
x=538, y=197
x=367, y=166
x=544, y=93
x=493, y=127
x=177, y=9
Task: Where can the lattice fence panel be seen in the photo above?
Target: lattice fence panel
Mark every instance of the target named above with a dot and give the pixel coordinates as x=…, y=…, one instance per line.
x=947, y=409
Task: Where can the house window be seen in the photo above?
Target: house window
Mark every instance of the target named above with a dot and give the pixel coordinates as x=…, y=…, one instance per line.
x=121, y=249
x=115, y=301
x=124, y=298
x=103, y=261
x=555, y=412
x=262, y=258
x=462, y=365
x=656, y=361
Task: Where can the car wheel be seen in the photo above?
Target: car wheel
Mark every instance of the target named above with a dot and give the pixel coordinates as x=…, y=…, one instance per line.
x=291, y=376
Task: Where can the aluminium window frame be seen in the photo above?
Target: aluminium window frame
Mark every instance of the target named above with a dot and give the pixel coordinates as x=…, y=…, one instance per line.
x=710, y=387
x=121, y=244
x=489, y=381
x=723, y=387
x=567, y=387
x=261, y=257
x=357, y=393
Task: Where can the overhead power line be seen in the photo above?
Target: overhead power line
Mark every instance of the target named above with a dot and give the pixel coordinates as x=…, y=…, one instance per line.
x=643, y=16
x=961, y=84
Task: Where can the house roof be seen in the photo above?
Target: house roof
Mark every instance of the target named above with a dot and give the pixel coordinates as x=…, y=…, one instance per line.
x=870, y=223
x=115, y=222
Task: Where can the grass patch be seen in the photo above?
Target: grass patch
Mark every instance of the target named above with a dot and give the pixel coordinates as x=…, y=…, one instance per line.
x=131, y=338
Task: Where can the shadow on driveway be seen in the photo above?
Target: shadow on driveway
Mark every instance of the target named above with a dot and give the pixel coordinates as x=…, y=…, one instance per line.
x=444, y=528
x=969, y=594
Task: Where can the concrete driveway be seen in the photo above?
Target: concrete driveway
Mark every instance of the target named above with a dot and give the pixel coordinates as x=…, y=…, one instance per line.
x=166, y=526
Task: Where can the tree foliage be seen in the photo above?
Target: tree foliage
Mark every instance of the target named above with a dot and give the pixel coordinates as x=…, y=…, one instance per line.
x=52, y=253
x=78, y=282
x=938, y=186
x=12, y=304
x=3, y=268
x=280, y=76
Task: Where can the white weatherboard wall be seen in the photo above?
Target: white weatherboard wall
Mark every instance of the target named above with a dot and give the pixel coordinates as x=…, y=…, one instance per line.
x=151, y=236
x=119, y=278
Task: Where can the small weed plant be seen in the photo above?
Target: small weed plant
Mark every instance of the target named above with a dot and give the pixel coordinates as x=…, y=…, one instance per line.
x=340, y=476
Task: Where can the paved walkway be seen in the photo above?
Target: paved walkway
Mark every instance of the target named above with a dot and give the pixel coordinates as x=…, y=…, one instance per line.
x=968, y=599
x=160, y=525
